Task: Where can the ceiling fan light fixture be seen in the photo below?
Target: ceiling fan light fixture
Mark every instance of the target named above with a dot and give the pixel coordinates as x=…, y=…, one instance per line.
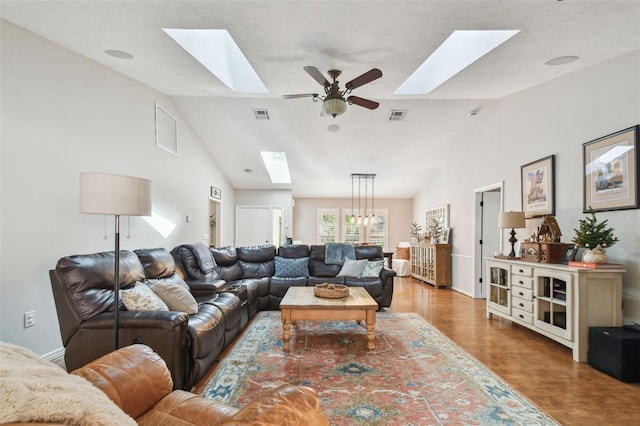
x=334, y=106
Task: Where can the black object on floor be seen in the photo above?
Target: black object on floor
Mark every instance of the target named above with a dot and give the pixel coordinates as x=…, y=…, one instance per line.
x=615, y=351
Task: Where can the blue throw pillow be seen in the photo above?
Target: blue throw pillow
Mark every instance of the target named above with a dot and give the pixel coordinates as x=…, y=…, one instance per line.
x=292, y=268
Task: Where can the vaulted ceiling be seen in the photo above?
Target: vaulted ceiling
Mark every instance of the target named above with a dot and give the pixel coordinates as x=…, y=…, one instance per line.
x=279, y=38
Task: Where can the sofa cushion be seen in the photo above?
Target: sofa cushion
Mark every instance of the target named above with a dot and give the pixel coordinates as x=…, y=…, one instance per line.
x=295, y=250
x=157, y=262
x=372, y=268
x=142, y=298
x=224, y=256
x=352, y=268
x=256, y=253
x=291, y=268
x=175, y=293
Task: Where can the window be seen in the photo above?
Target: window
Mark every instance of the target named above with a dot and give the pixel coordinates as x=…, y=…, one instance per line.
x=327, y=225
x=373, y=233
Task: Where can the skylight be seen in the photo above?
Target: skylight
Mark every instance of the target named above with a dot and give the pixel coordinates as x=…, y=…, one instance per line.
x=219, y=53
x=277, y=166
x=459, y=50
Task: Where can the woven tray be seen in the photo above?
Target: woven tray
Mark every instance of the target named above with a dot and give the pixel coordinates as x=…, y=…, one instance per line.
x=331, y=291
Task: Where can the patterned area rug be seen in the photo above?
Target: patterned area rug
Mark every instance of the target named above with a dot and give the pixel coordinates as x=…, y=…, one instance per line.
x=415, y=376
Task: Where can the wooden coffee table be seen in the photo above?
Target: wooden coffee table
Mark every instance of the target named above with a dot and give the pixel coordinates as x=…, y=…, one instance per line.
x=299, y=303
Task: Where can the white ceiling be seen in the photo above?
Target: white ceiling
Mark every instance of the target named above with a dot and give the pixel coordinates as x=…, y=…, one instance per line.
x=281, y=37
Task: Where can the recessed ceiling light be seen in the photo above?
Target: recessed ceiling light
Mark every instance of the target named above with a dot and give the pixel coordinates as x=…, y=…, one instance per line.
x=561, y=60
x=277, y=166
x=459, y=50
x=333, y=128
x=119, y=54
x=219, y=53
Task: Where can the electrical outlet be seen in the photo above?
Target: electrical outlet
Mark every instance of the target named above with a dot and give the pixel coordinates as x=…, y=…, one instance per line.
x=205, y=237
x=29, y=319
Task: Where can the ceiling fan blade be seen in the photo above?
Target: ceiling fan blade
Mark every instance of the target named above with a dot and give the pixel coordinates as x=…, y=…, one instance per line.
x=301, y=95
x=317, y=76
x=366, y=103
x=365, y=78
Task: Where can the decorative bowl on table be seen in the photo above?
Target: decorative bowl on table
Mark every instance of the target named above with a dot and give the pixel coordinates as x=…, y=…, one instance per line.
x=331, y=291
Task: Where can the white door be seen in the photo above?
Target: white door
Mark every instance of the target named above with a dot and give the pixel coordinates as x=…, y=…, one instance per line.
x=258, y=225
x=488, y=204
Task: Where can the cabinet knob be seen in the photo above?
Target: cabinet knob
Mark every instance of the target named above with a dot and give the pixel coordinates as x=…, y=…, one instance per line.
x=522, y=317
x=521, y=282
x=521, y=293
x=522, y=305
x=521, y=270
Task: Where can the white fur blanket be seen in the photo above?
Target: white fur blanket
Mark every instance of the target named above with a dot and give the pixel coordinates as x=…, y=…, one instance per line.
x=35, y=390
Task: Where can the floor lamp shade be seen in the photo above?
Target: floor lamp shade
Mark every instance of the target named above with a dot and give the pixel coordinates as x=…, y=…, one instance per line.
x=104, y=193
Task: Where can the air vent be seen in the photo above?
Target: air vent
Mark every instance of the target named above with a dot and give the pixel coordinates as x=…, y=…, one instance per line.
x=261, y=114
x=397, y=115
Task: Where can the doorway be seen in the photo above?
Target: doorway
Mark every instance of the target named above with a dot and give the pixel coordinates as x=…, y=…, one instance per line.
x=487, y=237
x=258, y=225
x=214, y=223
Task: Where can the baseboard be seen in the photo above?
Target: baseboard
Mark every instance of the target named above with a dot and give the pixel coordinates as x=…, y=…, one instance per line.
x=56, y=356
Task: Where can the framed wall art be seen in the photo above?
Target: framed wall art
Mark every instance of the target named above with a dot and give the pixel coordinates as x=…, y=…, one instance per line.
x=611, y=171
x=216, y=193
x=166, y=131
x=538, y=187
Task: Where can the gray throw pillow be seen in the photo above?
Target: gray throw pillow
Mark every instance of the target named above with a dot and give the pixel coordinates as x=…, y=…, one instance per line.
x=372, y=269
x=352, y=268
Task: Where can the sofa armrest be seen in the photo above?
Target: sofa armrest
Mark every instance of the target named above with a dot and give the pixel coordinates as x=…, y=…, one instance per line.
x=205, y=287
x=134, y=377
x=286, y=405
x=166, y=332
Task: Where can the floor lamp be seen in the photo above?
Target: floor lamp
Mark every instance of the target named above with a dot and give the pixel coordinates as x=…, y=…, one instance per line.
x=109, y=194
x=511, y=220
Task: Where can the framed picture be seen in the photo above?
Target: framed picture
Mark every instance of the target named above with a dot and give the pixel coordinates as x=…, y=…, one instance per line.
x=569, y=255
x=611, y=171
x=166, y=131
x=216, y=193
x=538, y=187
x=446, y=236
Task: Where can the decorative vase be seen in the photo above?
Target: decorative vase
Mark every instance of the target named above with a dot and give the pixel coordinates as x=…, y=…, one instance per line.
x=597, y=255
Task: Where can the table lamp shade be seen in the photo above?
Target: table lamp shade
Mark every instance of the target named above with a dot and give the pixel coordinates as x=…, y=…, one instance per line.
x=104, y=193
x=511, y=220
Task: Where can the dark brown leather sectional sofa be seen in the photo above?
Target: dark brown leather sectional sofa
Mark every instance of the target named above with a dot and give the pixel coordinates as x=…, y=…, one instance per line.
x=229, y=284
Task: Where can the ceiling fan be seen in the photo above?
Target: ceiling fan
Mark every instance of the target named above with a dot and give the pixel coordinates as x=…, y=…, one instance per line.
x=334, y=102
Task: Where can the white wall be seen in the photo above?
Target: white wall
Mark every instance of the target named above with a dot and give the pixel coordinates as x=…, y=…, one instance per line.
x=305, y=214
x=63, y=114
x=552, y=118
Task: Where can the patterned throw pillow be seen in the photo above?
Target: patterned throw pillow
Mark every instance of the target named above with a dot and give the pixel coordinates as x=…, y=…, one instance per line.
x=142, y=298
x=372, y=269
x=292, y=268
x=352, y=268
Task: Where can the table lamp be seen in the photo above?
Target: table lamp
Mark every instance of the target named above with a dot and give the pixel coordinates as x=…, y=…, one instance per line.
x=511, y=220
x=109, y=194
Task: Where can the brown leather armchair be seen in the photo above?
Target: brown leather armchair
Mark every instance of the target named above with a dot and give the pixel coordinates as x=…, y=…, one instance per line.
x=138, y=381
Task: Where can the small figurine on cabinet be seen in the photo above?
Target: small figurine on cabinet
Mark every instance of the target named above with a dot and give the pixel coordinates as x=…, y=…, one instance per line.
x=549, y=231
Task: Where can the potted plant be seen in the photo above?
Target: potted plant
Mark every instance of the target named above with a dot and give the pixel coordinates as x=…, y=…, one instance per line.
x=435, y=229
x=414, y=231
x=595, y=237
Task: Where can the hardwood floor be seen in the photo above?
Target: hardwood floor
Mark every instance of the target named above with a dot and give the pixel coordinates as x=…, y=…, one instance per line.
x=573, y=393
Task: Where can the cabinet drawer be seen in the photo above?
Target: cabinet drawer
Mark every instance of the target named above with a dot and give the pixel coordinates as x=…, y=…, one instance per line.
x=525, y=305
x=527, y=271
x=523, y=281
x=522, y=315
x=524, y=293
